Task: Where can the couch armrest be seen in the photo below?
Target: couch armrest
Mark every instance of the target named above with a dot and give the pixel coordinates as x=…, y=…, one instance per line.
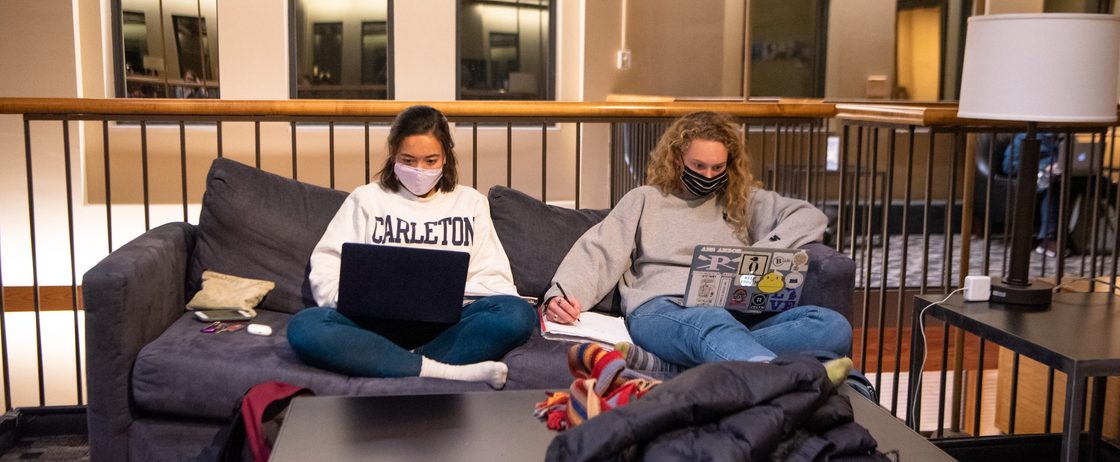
x=130, y=297
x=831, y=280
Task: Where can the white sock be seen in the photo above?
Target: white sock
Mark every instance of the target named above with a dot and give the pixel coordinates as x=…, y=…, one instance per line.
x=491, y=372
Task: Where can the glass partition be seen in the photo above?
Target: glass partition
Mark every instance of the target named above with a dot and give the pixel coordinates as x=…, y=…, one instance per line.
x=166, y=48
x=505, y=49
x=342, y=49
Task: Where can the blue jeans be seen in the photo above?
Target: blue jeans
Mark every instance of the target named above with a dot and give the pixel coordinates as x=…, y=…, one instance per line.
x=693, y=336
x=488, y=329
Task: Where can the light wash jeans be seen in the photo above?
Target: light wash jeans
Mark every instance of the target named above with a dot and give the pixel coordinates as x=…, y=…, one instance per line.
x=692, y=336
x=488, y=329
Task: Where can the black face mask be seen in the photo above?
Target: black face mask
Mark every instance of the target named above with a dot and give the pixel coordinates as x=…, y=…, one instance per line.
x=700, y=186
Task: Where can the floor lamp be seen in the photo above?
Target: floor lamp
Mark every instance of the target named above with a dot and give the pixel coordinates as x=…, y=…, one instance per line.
x=1046, y=67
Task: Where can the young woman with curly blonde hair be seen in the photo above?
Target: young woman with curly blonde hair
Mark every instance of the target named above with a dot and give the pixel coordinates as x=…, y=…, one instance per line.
x=699, y=191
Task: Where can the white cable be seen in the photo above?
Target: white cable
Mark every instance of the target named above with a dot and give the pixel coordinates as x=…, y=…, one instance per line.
x=1097, y=281
x=925, y=352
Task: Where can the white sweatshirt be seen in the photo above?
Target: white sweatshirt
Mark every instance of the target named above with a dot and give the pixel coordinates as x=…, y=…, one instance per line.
x=459, y=220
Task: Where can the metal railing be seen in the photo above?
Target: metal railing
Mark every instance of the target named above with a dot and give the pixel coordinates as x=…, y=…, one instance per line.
x=939, y=151
x=143, y=162
x=899, y=189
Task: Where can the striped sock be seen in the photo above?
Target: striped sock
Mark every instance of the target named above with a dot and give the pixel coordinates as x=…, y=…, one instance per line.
x=640, y=359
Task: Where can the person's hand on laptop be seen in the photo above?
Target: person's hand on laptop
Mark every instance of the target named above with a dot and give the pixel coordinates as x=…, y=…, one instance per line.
x=563, y=310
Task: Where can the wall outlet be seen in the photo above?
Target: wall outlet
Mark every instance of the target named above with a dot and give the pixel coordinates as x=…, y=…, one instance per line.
x=623, y=61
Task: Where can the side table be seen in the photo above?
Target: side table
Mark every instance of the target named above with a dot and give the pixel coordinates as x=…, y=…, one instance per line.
x=1074, y=334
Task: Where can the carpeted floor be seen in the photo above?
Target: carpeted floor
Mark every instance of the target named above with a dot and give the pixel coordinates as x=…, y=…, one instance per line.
x=933, y=265
x=66, y=447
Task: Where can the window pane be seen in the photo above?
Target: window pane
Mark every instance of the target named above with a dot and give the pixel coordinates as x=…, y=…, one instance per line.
x=169, y=49
x=787, y=47
x=505, y=49
x=342, y=49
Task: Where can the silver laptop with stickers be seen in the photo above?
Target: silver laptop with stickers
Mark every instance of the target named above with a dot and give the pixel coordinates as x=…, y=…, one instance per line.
x=746, y=279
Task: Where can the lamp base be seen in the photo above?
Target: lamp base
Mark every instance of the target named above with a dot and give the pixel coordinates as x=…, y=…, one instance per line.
x=1034, y=293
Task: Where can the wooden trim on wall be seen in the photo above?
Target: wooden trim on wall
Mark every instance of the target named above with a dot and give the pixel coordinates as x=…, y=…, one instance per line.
x=51, y=298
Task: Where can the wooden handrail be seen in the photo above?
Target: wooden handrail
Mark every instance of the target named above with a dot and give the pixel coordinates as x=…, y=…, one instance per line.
x=935, y=115
x=553, y=110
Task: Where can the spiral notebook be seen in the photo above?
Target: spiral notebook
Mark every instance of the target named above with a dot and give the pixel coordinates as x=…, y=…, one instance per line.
x=595, y=327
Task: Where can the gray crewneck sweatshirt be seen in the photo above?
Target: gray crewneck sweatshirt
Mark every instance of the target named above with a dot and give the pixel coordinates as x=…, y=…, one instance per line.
x=645, y=244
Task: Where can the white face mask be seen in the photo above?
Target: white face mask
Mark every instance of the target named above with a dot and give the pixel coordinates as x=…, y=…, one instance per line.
x=417, y=181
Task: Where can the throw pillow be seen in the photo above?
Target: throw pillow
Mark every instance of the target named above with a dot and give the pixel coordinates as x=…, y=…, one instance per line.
x=226, y=291
x=536, y=237
x=262, y=226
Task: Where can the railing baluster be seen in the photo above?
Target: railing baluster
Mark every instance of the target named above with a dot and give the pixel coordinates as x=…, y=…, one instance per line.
x=768, y=184
x=34, y=260
x=579, y=135
x=474, y=155
x=330, y=128
x=218, y=128
x=988, y=207
x=965, y=249
x=108, y=185
x=924, y=284
x=950, y=207
x=367, y=178
x=257, y=142
x=888, y=191
x=868, y=244
x=295, y=166
x=1114, y=211
x=1097, y=163
x=544, y=161
x=855, y=194
x=144, y=173
x=775, y=168
x=509, y=154
x=73, y=258
x=183, y=165
x=810, y=166
x=1063, y=212
x=842, y=184
x=902, y=273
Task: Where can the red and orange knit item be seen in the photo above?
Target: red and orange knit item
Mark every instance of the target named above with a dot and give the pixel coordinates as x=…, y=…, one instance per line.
x=602, y=382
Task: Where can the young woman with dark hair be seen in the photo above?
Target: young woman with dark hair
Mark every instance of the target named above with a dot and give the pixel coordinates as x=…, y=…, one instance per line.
x=416, y=203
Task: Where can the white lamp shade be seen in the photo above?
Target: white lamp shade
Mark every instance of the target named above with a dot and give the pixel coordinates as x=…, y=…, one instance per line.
x=1041, y=68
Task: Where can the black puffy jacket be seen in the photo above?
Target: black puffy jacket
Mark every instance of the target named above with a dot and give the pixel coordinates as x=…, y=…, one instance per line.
x=782, y=410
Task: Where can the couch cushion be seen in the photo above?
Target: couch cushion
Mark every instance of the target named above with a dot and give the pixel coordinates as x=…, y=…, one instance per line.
x=188, y=373
x=536, y=237
x=832, y=282
x=259, y=225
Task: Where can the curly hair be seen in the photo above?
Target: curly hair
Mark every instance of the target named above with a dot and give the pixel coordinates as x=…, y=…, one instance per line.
x=664, y=171
x=420, y=120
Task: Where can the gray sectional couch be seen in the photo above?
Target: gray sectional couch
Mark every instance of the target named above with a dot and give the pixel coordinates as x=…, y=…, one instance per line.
x=161, y=390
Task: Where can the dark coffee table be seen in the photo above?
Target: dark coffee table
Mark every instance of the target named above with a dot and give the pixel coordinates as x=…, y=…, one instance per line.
x=483, y=426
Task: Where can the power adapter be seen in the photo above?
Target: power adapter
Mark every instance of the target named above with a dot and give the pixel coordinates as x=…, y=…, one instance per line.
x=977, y=288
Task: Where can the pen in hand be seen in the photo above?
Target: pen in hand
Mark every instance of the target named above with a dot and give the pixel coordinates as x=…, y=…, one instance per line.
x=566, y=299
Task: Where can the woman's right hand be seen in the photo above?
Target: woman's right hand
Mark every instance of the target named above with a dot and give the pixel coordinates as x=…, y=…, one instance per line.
x=562, y=310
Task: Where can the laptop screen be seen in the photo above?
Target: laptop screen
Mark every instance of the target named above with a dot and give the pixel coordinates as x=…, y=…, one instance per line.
x=401, y=283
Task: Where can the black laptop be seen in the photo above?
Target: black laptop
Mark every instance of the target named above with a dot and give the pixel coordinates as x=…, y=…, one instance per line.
x=406, y=294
